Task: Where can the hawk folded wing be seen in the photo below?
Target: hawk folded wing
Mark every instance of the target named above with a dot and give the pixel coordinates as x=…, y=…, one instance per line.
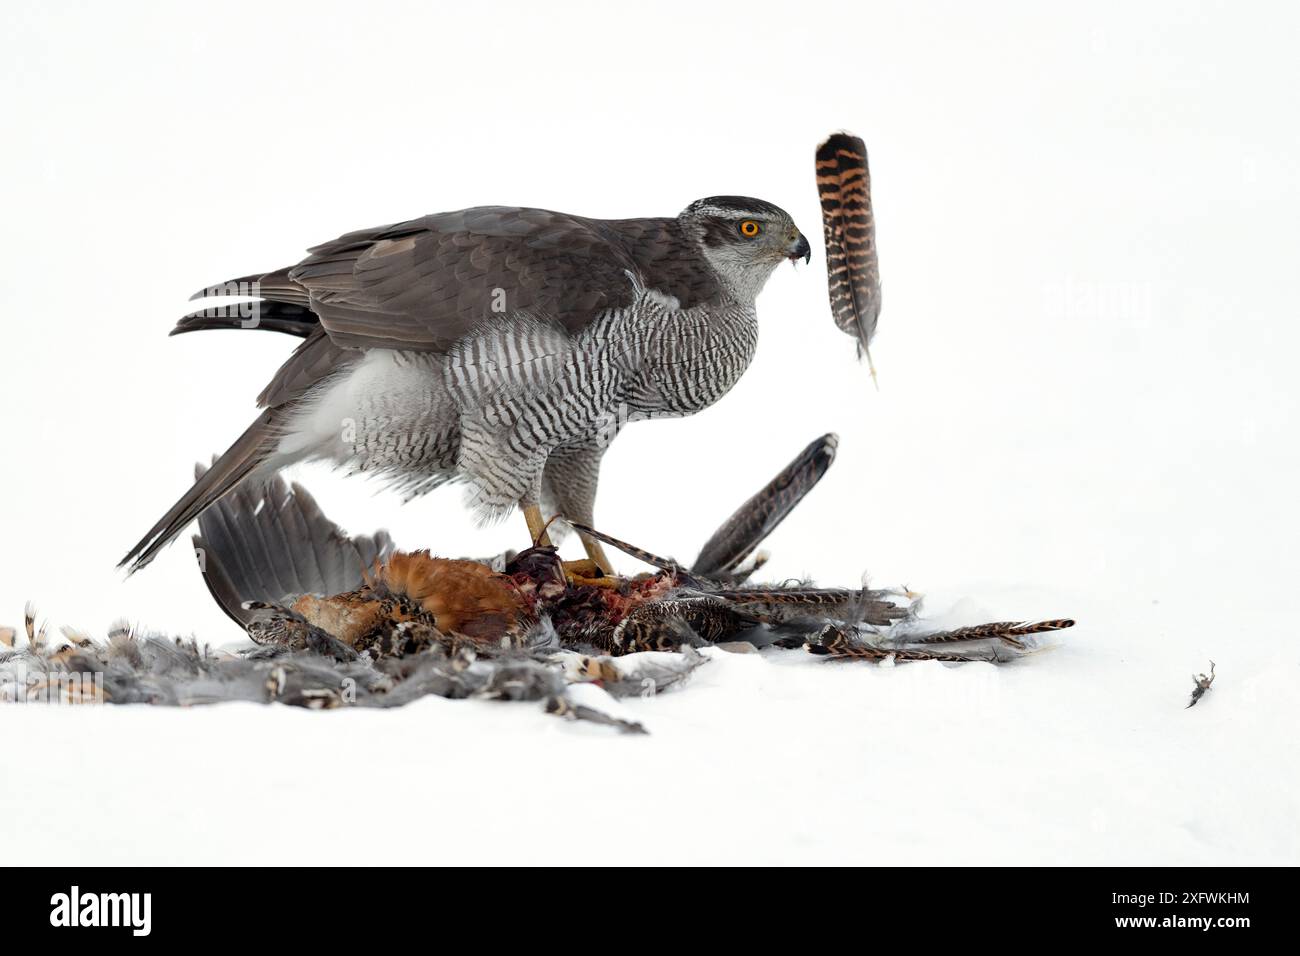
x=425, y=284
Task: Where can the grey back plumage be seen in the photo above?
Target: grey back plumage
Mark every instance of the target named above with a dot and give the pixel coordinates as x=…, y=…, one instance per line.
x=425, y=283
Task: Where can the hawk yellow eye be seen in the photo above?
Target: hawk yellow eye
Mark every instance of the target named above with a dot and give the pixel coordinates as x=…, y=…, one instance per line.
x=749, y=229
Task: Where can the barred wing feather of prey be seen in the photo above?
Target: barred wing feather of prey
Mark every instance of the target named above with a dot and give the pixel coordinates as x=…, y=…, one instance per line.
x=270, y=543
x=852, y=268
x=758, y=517
x=720, y=558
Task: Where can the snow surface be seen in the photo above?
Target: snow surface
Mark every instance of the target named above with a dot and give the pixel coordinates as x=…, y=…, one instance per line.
x=1081, y=754
x=1087, y=408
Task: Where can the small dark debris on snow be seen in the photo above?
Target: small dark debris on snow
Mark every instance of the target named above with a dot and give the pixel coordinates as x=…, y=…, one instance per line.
x=1203, y=682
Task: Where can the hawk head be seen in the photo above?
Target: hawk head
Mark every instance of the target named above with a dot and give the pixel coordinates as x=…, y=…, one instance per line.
x=744, y=239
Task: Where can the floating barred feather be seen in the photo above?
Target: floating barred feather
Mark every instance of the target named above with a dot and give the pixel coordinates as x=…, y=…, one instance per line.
x=852, y=267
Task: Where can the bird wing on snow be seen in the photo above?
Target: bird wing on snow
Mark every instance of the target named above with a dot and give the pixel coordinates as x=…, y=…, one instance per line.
x=270, y=542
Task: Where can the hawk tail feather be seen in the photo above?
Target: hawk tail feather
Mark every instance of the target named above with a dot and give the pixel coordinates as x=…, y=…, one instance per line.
x=249, y=450
x=280, y=305
x=265, y=314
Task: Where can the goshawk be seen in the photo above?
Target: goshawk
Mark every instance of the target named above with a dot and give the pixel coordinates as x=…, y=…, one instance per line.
x=496, y=345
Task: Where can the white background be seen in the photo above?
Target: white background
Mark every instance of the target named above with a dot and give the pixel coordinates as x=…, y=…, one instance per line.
x=1087, y=229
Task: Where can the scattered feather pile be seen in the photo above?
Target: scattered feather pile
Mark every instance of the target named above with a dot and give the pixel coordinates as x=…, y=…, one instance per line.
x=342, y=620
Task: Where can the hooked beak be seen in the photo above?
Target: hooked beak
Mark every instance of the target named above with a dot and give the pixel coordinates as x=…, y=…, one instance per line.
x=799, y=249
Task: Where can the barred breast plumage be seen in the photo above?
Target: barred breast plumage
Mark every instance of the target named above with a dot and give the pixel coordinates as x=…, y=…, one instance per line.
x=492, y=413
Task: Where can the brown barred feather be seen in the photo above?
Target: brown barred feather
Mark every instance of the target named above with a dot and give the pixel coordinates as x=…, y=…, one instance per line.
x=787, y=604
x=1006, y=631
x=976, y=643
x=838, y=645
x=804, y=597
x=852, y=267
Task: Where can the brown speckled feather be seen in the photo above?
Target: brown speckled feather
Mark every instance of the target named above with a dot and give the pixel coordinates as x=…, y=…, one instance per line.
x=852, y=269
